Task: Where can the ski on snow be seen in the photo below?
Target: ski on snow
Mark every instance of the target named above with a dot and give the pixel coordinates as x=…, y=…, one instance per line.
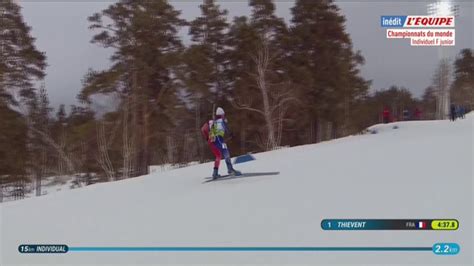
x=243, y=175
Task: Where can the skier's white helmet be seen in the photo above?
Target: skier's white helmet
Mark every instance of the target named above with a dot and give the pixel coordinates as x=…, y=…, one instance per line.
x=220, y=111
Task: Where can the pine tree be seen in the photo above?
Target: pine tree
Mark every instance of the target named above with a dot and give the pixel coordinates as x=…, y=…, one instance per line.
x=264, y=20
x=21, y=66
x=20, y=62
x=60, y=135
x=38, y=126
x=205, y=64
x=462, y=91
x=13, y=151
x=258, y=68
x=428, y=101
x=61, y=114
x=206, y=57
x=147, y=48
x=80, y=139
x=324, y=67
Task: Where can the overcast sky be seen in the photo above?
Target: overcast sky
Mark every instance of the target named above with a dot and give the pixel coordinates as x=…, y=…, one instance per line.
x=61, y=30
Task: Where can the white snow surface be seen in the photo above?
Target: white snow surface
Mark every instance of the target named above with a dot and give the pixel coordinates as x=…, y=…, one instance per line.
x=422, y=169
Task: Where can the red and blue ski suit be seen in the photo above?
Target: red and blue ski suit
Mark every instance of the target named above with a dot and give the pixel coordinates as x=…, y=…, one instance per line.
x=214, y=131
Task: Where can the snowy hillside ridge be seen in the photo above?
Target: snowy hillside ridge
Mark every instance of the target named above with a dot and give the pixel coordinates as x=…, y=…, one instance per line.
x=409, y=172
x=379, y=128
x=52, y=185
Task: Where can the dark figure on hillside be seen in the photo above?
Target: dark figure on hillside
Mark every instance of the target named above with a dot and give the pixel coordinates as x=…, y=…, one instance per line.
x=452, y=113
x=406, y=114
x=462, y=111
x=386, y=115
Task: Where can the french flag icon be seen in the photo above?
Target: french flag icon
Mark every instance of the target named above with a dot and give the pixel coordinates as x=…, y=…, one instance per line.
x=421, y=225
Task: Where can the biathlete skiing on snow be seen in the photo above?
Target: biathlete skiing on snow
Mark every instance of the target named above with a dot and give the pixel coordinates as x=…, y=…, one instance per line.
x=214, y=132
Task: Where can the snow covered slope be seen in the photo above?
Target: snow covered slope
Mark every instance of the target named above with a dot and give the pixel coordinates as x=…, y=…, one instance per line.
x=420, y=170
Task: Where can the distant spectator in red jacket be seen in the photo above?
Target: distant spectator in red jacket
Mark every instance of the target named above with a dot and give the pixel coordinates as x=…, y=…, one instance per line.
x=417, y=113
x=386, y=115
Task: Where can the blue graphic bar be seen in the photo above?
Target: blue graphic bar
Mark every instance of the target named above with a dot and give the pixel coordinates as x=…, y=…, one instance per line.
x=244, y=249
x=438, y=249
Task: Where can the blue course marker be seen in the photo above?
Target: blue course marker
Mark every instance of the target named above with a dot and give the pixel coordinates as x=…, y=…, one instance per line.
x=244, y=158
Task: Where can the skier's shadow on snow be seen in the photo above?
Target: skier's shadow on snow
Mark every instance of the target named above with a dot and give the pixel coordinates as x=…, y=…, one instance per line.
x=245, y=175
